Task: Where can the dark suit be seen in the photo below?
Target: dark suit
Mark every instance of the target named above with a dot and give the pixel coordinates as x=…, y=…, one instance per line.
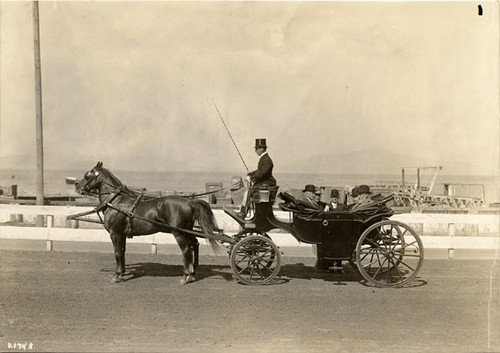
x=264, y=172
x=313, y=204
x=362, y=204
x=340, y=207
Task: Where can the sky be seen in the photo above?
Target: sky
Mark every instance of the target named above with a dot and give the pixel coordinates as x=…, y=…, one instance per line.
x=135, y=84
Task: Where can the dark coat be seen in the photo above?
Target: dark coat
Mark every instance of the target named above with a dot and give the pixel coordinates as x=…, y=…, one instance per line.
x=264, y=172
x=312, y=204
x=340, y=207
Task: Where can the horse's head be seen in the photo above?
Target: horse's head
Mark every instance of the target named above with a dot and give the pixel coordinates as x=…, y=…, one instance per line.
x=91, y=181
x=94, y=179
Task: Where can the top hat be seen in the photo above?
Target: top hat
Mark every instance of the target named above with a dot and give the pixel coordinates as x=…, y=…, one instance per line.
x=309, y=187
x=260, y=143
x=334, y=193
x=364, y=189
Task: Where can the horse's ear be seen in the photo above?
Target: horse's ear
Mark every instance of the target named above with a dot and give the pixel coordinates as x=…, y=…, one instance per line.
x=99, y=165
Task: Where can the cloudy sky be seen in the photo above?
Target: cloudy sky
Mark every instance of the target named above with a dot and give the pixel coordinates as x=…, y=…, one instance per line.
x=133, y=83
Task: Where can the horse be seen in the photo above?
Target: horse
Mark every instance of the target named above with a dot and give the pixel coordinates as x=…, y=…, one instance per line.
x=127, y=215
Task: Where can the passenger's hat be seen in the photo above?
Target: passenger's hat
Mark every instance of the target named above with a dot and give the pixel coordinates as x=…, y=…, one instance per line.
x=354, y=192
x=364, y=189
x=260, y=143
x=334, y=193
x=309, y=187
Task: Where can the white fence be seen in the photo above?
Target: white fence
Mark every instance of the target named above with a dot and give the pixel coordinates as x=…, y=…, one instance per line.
x=438, y=231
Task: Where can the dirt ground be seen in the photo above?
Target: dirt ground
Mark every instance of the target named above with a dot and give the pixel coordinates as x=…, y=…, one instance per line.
x=66, y=302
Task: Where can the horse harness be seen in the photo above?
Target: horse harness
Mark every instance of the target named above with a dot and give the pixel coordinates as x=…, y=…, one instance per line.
x=108, y=202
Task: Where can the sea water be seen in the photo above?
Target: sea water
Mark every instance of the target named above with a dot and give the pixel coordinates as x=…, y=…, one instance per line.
x=55, y=184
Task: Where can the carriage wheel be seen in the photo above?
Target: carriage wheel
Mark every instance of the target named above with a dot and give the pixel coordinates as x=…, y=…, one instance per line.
x=255, y=260
x=389, y=254
x=248, y=233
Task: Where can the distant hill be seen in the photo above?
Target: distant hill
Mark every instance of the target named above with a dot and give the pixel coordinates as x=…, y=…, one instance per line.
x=378, y=161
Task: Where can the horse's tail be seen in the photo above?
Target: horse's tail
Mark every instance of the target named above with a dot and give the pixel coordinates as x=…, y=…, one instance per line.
x=206, y=218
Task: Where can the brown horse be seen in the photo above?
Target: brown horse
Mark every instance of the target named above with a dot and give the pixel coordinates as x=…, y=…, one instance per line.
x=126, y=215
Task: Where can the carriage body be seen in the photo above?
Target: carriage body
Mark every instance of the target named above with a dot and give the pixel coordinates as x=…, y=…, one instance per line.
x=387, y=253
x=334, y=233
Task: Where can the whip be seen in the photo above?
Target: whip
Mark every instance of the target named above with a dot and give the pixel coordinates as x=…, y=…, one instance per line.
x=220, y=116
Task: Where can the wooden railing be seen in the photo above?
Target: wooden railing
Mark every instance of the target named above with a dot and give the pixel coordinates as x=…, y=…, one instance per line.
x=437, y=231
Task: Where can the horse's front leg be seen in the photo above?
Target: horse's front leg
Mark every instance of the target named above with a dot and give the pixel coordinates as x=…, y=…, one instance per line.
x=188, y=257
x=119, y=245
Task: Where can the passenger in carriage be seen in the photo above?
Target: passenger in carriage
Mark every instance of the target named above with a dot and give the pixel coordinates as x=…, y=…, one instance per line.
x=310, y=198
x=354, y=195
x=262, y=175
x=334, y=204
x=364, y=198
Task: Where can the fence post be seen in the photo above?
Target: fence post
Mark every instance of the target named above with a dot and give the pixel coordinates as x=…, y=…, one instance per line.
x=154, y=248
x=50, y=223
x=451, y=234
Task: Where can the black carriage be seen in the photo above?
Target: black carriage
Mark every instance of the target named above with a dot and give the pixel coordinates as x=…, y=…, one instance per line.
x=387, y=253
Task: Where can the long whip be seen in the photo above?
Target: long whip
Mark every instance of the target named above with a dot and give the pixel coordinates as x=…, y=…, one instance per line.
x=220, y=116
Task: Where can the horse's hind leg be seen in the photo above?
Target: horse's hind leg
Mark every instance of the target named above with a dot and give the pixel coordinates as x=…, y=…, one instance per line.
x=188, y=256
x=196, y=253
x=119, y=245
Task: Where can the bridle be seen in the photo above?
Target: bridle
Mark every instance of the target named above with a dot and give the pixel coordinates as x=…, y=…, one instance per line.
x=89, y=177
x=95, y=175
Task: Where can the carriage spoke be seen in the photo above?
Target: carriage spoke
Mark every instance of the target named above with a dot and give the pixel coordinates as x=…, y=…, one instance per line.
x=407, y=255
x=372, y=243
x=243, y=255
x=251, y=272
x=404, y=263
x=376, y=273
x=371, y=260
x=388, y=271
x=398, y=241
x=386, y=233
x=397, y=269
x=260, y=257
x=264, y=267
x=243, y=262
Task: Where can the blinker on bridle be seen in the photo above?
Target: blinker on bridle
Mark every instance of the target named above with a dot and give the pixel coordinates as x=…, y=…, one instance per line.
x=89, y=176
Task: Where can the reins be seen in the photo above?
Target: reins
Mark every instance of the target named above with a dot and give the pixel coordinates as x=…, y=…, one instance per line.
x=98, y=208
x=122, y=190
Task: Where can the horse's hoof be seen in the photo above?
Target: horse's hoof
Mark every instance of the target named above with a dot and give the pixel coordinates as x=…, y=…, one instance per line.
x=188, y=279
x=116, y=280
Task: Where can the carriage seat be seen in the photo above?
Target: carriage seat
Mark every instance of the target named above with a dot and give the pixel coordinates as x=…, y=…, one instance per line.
x=292, y=204
x=263, y=193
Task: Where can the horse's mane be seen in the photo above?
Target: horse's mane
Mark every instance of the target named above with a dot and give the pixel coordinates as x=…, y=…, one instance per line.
x=114, y=179
x=116, y=182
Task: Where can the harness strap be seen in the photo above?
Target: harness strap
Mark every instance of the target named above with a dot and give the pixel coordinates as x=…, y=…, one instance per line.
x=131, y=213
x=139, y=197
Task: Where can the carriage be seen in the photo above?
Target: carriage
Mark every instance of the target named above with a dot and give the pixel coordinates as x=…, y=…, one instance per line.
x=387, y=253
